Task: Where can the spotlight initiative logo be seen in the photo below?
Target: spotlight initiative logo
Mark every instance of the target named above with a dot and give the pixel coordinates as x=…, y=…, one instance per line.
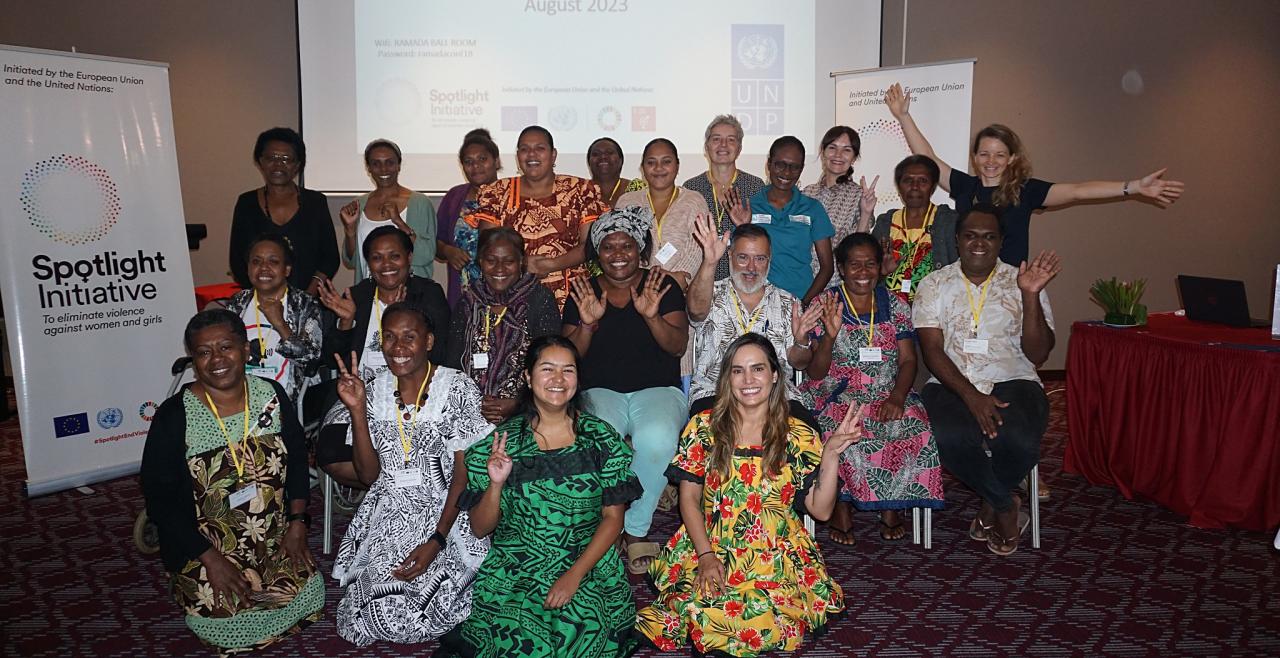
x=70, y=199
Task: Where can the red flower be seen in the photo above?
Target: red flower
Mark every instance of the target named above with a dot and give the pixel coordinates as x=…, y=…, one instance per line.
x=665, y=643
x=674, y=573
x=733, y=608
x=726, y=506
x=696, y=454
x=751, y=638
x=670, y=623
x=790, y=631
x=809, y=577
x=754, y=533
x=747, y=471
x=737, y=577
x=788, y=492
x=713, y=480
x=696, y=636
x=754, y=504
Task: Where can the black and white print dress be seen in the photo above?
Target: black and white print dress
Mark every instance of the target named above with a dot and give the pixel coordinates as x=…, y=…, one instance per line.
x=396, y=517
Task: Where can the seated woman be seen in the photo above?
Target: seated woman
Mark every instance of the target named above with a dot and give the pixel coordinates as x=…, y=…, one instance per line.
x=455, y=240
x=388, y=251
x=864, y=356
x=283, y=322
x=919, y=237
x=551, y=485
x=224, y=475
x=389, y=204
x=742, y=576
x=408, y=558
x=499, y=314
x=630, y=326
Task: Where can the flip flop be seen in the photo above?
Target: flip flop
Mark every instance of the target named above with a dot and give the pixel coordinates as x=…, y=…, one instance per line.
x=885, y=528
x=847, y=534
x=1006, y=547
x=979, y=531
x=640, y=555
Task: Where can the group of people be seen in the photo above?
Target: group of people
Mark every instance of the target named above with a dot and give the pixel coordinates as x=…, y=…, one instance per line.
x=604, y=345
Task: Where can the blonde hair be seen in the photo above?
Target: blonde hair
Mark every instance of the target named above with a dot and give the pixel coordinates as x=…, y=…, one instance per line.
x=725, y=418
x=1009, y=192
x=724, y=120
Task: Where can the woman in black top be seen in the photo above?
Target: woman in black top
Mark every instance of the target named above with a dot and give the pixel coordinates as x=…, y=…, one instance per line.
x=282, y=206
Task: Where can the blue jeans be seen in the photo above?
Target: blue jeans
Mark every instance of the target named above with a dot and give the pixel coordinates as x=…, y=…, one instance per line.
x=653, y=417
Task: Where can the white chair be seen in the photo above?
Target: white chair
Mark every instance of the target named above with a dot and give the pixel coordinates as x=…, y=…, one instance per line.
x=916, y=522
x=326, y=494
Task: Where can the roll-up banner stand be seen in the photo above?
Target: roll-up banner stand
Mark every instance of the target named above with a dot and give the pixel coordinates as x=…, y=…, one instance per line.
x=941, y=101
x=96, y=274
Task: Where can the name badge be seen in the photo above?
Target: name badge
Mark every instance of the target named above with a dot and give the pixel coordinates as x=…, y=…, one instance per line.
x=244, y=494
x=479, y=360
x=665, y=254
x=975, y=346
x=373, y=359
x=801, y=219
x=409, y=477
x=761, y=218
x=906, y=285
x=870, y=355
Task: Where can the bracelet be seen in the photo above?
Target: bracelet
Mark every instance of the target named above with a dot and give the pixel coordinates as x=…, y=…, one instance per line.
x=439, y=539
x=589, y=326
x=1125, y=191
x=706, y=552
x=806, y=346
x=305, y=517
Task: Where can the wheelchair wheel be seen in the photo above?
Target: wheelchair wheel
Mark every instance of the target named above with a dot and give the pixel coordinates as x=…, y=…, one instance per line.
x=145, y=535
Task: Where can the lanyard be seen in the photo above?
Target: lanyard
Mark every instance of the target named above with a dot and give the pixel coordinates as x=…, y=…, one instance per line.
x=262, y=344
x=715, y=200
x=742, y=322
x=413, y=419
x=614, y=193
x=900, y=216
x=244, y=444
x=657, y=219
x=489, y=327
x=976, y=312
x=871, y=334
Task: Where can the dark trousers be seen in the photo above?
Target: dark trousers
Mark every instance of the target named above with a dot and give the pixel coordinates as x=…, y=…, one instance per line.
x=798, y=411
x=963, y=447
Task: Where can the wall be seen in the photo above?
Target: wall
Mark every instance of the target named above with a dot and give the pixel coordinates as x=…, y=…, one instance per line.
x=1052, y=71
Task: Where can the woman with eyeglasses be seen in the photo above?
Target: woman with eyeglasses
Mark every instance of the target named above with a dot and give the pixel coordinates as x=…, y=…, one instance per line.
x=282, y=206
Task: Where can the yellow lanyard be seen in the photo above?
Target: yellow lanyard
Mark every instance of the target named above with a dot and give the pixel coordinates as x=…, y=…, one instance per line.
x=715, y=200
x=871, y=335
x=413, y=418
x=976, y=312
x=657, y=219
x=490, y=327
x=262, y=344
x=244, y=444
x=614, y=193
x=377, y=310
x=900, y=215
x=742, y=322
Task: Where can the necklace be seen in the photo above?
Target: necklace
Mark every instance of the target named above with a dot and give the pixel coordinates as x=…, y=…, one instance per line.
x=405, y=415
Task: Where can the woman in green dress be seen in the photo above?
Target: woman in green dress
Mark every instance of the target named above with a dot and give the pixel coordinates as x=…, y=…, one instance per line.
x=224, y=474
x=551, y=484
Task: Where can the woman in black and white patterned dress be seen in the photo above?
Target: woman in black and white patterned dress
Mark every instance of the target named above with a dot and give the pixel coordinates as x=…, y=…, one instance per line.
x=409, y=557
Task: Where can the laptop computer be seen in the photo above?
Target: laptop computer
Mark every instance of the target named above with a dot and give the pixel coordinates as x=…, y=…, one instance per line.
x=1221, y=301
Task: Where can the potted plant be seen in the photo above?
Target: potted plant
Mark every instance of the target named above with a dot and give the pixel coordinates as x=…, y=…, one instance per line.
x=1120, y=300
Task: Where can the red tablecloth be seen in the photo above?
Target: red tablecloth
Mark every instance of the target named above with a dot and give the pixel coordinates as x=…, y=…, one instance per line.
x=1184, y=413
x=206, y=294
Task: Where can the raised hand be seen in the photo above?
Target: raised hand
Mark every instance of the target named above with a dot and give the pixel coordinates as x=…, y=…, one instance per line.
x=499, y=464
x=803, y=322
x=710, y=578
x=1154, y=186
x=847, y=433
x=713, y=243
x=831, y=320
x=417, y=561
x=898, y=102
x=1034, y=276
x=340, y=303
x=399, y=223
x=739, y=211
x=350, y=216
x=273, y=309
x=590, y=306
x=890, y=263
x=650, y=295
x=350, y=385
x=867, y=206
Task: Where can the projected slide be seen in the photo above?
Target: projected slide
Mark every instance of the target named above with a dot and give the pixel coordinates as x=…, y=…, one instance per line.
x=424, y=73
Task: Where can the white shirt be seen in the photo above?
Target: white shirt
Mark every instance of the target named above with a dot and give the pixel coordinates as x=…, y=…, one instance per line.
x=723, y=325
x=264, y=339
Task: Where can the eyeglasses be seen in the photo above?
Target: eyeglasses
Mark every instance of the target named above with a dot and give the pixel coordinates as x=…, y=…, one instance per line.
x=279, y=158
x=743, y=259
x=787, y=167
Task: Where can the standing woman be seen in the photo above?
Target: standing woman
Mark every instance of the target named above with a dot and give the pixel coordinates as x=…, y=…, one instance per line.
x=723, y=185
x=224, y=475
x=630, y=326
x=285, y=336
x=919, y=237
x=282, y=206
x=604, y=160
x=850, y=206
x=389, y=204
x=500, y=313
x=359, y=310
x=408, y=558
x=551, y=212
x=551, y=485
x=456, y=241
x=742, y=576
x=798, y=226
x=864, y=357
x=674, y=210
x=1004, y=179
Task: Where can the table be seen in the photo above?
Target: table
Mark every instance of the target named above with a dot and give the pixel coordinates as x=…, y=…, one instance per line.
x=1183, y=413
x=210, y=293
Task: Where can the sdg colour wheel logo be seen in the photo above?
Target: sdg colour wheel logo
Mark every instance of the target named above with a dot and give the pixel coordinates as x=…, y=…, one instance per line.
x=70, y=199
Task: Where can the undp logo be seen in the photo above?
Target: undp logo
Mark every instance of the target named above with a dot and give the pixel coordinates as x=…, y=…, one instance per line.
x=110, y=418
x=70, y=199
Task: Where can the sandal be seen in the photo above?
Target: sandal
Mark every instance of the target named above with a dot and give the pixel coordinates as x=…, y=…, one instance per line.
x=979, y=531
x=886, y=530
x=1005, y=547
x=640, y=555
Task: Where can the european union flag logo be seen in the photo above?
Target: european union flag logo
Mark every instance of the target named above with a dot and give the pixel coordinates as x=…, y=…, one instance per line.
x=71, y=425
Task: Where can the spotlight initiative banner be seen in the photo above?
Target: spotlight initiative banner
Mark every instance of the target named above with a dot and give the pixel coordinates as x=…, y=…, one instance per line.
x=96, y=276
x=941, y=100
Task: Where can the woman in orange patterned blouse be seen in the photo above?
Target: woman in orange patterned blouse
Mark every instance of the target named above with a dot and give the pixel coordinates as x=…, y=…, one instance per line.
x=551, y=212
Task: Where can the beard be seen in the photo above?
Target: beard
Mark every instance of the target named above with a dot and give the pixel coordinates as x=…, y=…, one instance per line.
x=741, y=284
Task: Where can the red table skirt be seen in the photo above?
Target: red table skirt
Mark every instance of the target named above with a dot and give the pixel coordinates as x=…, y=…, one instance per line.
x=1186, y=414
x=207, y=294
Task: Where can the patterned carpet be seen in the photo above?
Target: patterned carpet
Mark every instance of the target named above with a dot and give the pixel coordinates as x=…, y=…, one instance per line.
x=1114, y=578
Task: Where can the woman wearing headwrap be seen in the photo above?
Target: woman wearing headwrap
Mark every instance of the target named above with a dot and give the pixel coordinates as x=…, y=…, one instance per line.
x=630, y=326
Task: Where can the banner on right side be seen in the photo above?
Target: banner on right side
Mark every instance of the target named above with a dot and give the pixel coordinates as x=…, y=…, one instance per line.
x=941, y=100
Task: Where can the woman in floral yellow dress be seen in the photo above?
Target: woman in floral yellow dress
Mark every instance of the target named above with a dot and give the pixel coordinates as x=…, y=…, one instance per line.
x=742, y=576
